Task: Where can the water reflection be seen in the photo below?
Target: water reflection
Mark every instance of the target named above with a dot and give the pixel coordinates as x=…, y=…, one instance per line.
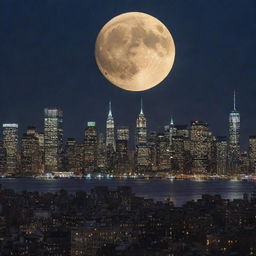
x=179, y=191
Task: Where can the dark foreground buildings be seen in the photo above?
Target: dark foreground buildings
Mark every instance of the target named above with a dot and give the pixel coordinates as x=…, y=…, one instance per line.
x=116, y=222
x=176, y=149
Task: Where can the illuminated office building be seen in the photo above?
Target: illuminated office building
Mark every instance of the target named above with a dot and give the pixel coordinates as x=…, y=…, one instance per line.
x=184, y=132
x=123, y=133
x=178, y=154
x=10, y=144
x=110, y=142
x=70, y=159
x=178, y=135
x=53, y=139
x=201, y=147
x=90, y=147
x=252, y=154
x=122, y=163
x=141, y=128
x=221, y=155
x=79, y=149
x=40, y=136
x=163, y=152
x=101, y=153
x=234, y=138
x=31, y=158
x=2, y=158
x=244, y=162
x=172, y=131
x=152, y=145
x=142, y=150
x=110, y=130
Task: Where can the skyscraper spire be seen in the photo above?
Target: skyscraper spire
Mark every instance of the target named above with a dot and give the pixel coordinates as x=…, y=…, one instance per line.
x=141, y=107
x=234, y=99
x=171, y=123
x=110, y=110
x=110, y=130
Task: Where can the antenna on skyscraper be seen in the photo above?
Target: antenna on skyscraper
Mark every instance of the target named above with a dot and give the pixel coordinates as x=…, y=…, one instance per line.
x=110, y=110
x=141, y=106
x=235, y=99
x=171, y=123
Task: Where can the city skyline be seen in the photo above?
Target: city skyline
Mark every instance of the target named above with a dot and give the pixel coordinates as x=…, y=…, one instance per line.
x=111, y=115
x=127, y=127
x=152, y=122
x=191, y=148
x=50, y=61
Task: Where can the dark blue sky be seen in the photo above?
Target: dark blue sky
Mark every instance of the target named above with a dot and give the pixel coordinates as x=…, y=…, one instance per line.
x=47, y=59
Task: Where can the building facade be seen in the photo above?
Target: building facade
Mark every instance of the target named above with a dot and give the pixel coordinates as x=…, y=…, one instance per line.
x=221, y=155
x=10, y=145
x=110, y=130
x=2, y=158
x=53, y=139
x=163, y=152
x=200, y=148
x=234, y=140
x=101, y=153
x=31, y=156
x=90, y=147
x=252, y=154
x=70, y=159
x=142, y=150
x=122, y=163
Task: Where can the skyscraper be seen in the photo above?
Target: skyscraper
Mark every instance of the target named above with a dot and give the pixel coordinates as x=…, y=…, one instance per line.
x=177, y=137
x=179, y=155
x=30, y=153
x=123, y=133
x=90, y=146
x=141, y=127
x=252, y=154
x=172, y=131
x=122, y=163
x=70, y=161
x=152, y=145
x=110, y=130
x=40, y=136
x=79, y=148
x=142, y=150
x=244, y=164
x=221, y=155
x=201, y=145
x=53, y=139
x=234, y=137
x=101, y=153
x=163, y=152
x=2, y=158
x=10, y=144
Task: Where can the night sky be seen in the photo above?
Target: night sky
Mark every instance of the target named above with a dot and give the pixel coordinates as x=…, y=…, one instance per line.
x=47, y=59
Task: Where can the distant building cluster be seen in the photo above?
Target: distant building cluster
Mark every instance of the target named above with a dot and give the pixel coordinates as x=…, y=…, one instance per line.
x=177, y=149
x=118, y=223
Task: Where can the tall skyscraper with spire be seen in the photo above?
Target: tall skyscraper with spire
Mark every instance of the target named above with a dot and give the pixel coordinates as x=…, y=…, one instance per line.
x=110, y=130
x=142, y=150
x=234, y=139
x=141, y=127
x=171, y=131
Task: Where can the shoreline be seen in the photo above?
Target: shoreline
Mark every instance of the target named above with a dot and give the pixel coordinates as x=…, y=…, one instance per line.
x=199, y=178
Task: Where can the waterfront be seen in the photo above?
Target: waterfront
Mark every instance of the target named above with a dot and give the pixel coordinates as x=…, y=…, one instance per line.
x=179, y=191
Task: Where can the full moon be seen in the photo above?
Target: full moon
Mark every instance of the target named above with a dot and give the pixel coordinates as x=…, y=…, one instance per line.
x=135, y=51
